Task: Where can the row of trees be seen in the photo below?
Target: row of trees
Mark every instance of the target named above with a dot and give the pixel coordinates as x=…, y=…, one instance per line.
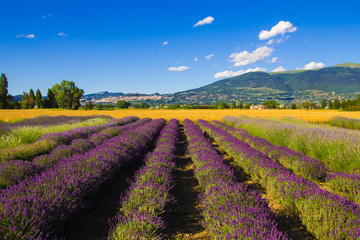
x=64, y=95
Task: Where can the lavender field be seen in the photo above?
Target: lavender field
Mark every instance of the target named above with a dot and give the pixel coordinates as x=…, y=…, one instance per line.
x=133, y=178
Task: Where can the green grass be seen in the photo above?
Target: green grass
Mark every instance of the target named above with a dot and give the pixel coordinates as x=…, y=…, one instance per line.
x=26, y=135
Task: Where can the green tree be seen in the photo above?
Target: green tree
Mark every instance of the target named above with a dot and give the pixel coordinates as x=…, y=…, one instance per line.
x=123, y=104
x=38, y=99
x=330, y=104
x=25, y=104
x=89, y=105
x=269, y=104
x=50, y=101
x=67, y=94
x=4, y=97
x=223, y=105
x=293, y=106
x=144, y=105
x=336, y=104
x=241, y=105
x=323, y=103
x=32, y=98
x=216, y=105
x=248, y=105
x=233, y=105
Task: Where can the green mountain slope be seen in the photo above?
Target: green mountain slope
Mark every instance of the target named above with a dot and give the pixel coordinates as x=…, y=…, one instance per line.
x=340, y=81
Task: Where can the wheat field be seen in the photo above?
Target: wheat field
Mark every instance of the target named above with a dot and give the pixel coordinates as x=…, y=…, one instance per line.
x=314, y=116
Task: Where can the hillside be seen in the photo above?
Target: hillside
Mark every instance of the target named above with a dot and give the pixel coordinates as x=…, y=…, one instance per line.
x=340, y=81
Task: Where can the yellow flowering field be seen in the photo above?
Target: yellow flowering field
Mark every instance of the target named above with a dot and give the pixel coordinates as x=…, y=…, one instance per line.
x=314, y=116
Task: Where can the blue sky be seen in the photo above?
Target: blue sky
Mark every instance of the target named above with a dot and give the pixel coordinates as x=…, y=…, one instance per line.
x=168, y=46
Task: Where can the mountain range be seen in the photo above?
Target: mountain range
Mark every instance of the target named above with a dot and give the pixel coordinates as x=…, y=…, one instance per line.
x=340, y=81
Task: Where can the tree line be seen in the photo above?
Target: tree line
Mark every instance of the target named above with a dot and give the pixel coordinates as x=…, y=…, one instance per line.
x=64, y=95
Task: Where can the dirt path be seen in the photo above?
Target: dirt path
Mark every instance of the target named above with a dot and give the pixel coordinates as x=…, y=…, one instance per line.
x=184, y=218
x=287, y=223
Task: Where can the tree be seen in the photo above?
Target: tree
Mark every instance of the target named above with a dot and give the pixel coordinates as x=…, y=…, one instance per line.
x=269, y=104
x=38, y=99
x=293, y=106
x=89, y=105
x=233, y=105
x=330, y=104
x=248, y=105
x=144, y=105
x=25, y=104
x=336, y=104
x=32, y=98
x=223, y=105
x=323, y=103
x=4, y=97
x=51, y=100
x=241, y=105
x=67, y=95
x=123, y=104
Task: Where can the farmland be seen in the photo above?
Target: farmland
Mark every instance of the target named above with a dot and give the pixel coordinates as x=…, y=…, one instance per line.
x=314, y=116
x=183, y=174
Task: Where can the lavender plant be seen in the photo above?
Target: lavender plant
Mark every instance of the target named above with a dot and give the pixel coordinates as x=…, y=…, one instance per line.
x=47, y=142
x=299, y=163
x=142, y=208
x=33, y=208
x=230, y=209
x=326, y=215
x=337, y=148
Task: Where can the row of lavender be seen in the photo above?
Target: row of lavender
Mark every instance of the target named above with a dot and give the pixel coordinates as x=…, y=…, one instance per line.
x=299, y=163
x=45, y=121
x=12, y=172
x=326, y=216
x=230, y=209
x=337, y=148
x=49, y=141
x=33, y=208
x=344, y=184
x=140, y=215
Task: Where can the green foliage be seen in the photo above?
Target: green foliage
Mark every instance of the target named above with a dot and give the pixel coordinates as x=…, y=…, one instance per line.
x=89, y=105
x=293, y=106
x=144, y=105
x=4, y=96
x=31, y=98
x=38, y=99
x=323, y=103
x=25, y=135
x=50, y=101
x=123, y=104
x=224, y=105
x=25, y=101
x=270, y=104
x=67, y=94
x=248, y=105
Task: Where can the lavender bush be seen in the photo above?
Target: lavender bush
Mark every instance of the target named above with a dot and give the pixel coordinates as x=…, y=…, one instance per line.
x=326, y=215
x=230, y=209
x=140, y=215
x=49, y=141
x=337, y=148
x=299, y=163
x=34, y=207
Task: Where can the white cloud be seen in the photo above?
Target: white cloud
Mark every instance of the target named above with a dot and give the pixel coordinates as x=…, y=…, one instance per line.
x=314, y=65
x=207, y=20
x=196, y=59
x=63, y=34
x=29, y=36
x=279, y=69
x=165, y=43
x=208, y=57
x=237, y=73
x=281, y=28
x=274, y=59
x=178, y=69
x=244, y=58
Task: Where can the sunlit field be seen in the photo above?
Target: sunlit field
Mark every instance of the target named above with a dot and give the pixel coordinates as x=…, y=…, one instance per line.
x=314, y=116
